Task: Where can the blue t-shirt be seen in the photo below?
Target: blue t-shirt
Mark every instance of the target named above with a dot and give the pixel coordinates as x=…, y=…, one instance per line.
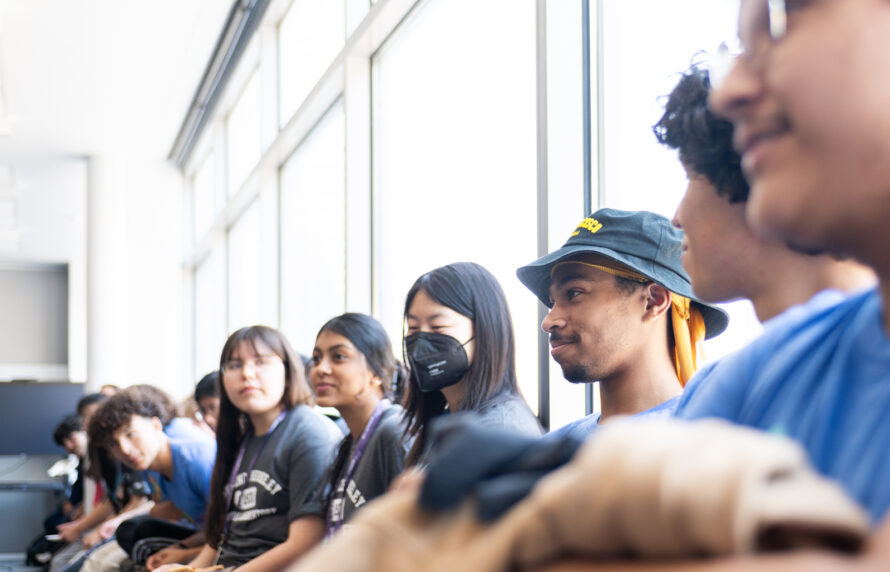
x=820, y=374
x=189, y=488
x=584, y=427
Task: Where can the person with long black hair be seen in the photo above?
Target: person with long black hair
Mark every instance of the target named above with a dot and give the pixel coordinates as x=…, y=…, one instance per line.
x=354, y=370
x=272, y=451
x=460, y=346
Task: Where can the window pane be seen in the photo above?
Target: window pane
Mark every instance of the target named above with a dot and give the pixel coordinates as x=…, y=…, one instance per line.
x=246, y=270
x=243, y=135
x=454, y=155
x=641, y=173
x=313, y=232
x=205, y=204
x=309, y=38
x=210, y=319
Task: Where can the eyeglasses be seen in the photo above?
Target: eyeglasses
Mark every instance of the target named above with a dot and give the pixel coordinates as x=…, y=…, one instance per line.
x=257, y=363
x=773, y=16
x=777, y=18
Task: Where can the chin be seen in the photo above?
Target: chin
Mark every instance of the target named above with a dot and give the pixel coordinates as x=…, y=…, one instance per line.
x=575, y=373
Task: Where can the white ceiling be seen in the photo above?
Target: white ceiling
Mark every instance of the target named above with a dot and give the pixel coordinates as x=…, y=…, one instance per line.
x=81, y=77
x=92, y=77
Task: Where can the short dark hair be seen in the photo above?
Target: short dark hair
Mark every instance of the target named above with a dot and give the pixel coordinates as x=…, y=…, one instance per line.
x=703, y=140
x=90, y=399
x=69, y=424
x=208, y=386
x=472, y=291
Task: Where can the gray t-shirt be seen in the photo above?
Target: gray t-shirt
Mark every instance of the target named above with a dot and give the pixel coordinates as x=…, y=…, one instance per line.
x=509, y=411
x=382, y=460
x=280, y=487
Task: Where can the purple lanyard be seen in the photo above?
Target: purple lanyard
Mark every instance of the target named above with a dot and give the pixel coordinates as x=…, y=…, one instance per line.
x=238, y=459
x=334, y=526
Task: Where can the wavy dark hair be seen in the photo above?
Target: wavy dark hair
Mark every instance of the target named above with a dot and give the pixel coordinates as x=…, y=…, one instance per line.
x=114, y=413
x=369, y=338
x=472, y=291
x=704, y=141
x=233, y=424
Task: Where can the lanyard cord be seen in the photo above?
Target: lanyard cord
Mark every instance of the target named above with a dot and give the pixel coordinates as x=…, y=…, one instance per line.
x=355, y=458
x=235, y=467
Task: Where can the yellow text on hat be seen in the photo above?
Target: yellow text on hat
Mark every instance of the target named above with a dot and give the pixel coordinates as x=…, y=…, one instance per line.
x=591, y=224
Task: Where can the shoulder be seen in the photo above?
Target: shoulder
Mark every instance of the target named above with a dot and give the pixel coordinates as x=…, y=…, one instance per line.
x=789, y=339
x=304, y=428
x=390, y=432
x=580, y=428
x=510, y=411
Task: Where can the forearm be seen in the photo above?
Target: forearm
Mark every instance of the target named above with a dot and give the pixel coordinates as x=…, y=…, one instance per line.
x=166, y=510
x=206, y=557
x=97, y=516
x=196, y=540
x=127, y=515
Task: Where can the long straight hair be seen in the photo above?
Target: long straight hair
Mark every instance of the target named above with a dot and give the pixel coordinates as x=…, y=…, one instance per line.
x=234, y=425
x=472, y=291
x=372, y=341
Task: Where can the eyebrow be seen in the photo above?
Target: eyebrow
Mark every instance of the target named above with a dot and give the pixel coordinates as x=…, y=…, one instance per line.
x=430, y=318
x=568, y=278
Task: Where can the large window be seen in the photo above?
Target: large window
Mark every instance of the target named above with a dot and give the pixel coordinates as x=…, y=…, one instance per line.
x=313, y=232
x=454, y=149
x=309, y=37
x=641, y=174
x=360, y=144
x=210, y=312
x=246, y=271
x=243, y=142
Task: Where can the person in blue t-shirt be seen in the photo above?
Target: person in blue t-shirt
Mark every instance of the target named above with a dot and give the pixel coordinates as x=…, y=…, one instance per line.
x=622, y=313
x=176, y=460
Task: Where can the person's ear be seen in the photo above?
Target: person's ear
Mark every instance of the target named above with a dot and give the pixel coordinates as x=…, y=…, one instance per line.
x=156, y=423
x=657, y=300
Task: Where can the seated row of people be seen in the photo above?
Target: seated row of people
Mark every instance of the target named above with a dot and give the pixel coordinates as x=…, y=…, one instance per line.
x=622, y=312
x=283, y=476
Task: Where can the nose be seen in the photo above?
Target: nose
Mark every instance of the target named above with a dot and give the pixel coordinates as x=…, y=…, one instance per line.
x=737, y=92
x=322, y=366
x=123, y=445
x=553, y=320
x=675, y=221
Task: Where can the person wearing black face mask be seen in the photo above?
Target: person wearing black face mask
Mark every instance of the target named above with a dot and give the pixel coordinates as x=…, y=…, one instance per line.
x=438, y=360
x=459, y=345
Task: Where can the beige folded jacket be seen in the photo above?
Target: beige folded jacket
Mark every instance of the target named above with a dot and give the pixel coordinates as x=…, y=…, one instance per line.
x=656, y=488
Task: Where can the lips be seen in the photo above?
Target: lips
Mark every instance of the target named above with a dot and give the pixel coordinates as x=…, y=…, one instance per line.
x=557, y=345
x=753, y=142
x=323, y=387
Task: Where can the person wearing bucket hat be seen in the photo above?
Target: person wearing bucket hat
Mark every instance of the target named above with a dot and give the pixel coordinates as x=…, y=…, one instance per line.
x=623, y=312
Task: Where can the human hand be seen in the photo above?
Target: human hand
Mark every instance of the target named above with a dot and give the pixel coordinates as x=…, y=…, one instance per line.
x=70, y=531
x=410, y=479
x=92, y=539
x=107, y=528
x=165, y=567
x=169, y=555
